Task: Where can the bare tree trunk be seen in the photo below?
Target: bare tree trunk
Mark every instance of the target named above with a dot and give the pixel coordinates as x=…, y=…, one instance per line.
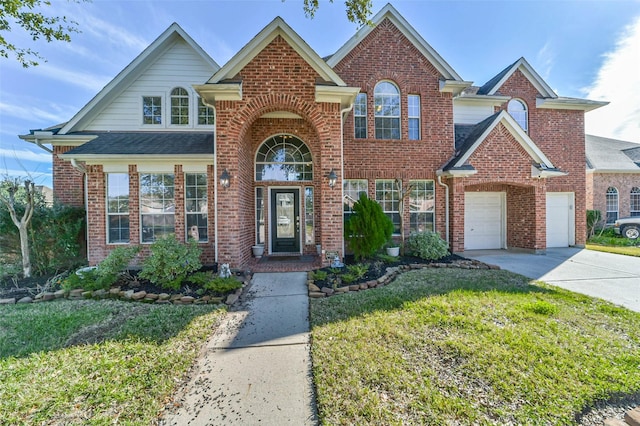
x=23, y=223
x=403, y=195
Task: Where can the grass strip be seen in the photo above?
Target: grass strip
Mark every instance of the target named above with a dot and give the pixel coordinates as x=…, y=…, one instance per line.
x=447, y=346
x=627, y=251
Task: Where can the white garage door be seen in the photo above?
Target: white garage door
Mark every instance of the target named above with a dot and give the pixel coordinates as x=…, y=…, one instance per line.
x=484, y=220
x=560, y=219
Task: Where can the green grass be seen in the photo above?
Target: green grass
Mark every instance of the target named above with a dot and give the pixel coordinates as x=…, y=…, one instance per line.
x=96, y=362
x=447, y=346
x=625, y=250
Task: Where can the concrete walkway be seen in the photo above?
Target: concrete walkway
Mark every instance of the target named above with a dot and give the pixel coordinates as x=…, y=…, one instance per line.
x=611, y=277
x=257, y=366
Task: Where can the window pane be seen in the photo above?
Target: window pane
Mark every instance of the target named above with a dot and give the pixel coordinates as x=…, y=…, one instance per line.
x=152, y=110
x=179, y=106
x=413, y=102
x=284, y=158
x=612, y=205
x=157, y=206
x=117, y=208
x=387, y=111
x=421, y=206
x=196, y=206
x=634, y=209
x=389, y=199
x=205, y=114
x=360, y=116
x=118, y=229
x=518, y=110
x=308, y=216
x=260, y=229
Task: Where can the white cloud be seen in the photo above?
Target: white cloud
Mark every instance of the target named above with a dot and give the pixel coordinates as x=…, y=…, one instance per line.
x=545, y=59
x=115, y=35
x=86, y=80
x=25, y=154
x=618, y=82
x=34, y=113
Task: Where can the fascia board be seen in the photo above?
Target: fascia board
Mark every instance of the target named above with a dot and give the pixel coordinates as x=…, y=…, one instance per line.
x=408, y=31
x=337, y=94
x=99, y=158
x=456, y=173
x=132, y=71
x=494, y=100
x=514, y=128
x=585, y=105
x=219, y=91
x=622, y=171
x=58, y=140
x=277, y=27
x=530, y=74
x=454, y=86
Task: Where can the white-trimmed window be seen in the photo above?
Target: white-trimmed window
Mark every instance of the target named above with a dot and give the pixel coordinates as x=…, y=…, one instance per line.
x=634, y=202
x=260, y=228
x=309, y=234
x=387, y=110
x=518, y=110
x=152, y=110
x=352, y=188
x=179, y=107
x=117, y=208
x=157, y=206
x=206, y=116
x=360, y=116
x=196, y=207
x=413, y=113
x=421, y=206
x=612, y=205
x=388, y=197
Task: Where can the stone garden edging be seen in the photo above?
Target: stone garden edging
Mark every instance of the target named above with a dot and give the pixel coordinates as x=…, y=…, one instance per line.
x=129, y=295
x=316, y=292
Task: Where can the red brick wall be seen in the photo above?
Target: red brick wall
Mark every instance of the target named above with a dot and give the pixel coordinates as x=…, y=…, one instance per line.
x=386, y=54
x=68, y=182
x=560, y=135
x=289, y=85
x=623, y=182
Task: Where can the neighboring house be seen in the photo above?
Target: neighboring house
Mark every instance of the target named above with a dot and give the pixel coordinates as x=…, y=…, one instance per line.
x=613, y=177
x=245, y=152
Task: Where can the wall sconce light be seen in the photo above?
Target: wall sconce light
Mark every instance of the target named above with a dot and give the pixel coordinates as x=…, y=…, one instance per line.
x=333, y=178
x=225, y=179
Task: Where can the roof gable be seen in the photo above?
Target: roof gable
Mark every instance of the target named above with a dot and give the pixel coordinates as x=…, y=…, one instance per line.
x=277, y=27
x=605, y=155
x=468, y=140
x=390, y=13
x=493, y=85
x=129, y=74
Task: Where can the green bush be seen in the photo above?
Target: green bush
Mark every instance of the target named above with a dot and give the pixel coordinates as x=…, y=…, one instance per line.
x=170, y=262
x=320, y=275
x=87, y=281
x=222, y=285
x=110, y=269
x=348, y=278
x=593, y=218
x=427, y=245
x=358, y=270
x=368, y=229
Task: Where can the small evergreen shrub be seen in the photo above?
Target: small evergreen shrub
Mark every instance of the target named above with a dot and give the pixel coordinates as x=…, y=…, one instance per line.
x=348, y=278
x=320, y=275
x=368, y=229
x=87, y=281
x=110, y=269
x=427, y=245
x=171, y=262
x=358, y=270
x=222, y=285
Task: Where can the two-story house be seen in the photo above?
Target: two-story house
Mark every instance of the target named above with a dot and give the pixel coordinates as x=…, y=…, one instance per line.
x=273, y=147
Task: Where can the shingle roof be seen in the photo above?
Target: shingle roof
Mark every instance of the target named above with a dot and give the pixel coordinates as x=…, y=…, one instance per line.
x=466, y=136
x=146, y=143
x=486, y=88
x=605, y=154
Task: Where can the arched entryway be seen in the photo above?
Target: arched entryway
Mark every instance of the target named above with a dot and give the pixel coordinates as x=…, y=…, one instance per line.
x=284, y=213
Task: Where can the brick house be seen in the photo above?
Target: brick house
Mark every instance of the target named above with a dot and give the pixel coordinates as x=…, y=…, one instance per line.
x=613, y=178
x=243, y=154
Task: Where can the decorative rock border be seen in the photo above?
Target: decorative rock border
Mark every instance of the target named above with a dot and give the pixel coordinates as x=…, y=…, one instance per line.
x=130, y=295
x=316, y=292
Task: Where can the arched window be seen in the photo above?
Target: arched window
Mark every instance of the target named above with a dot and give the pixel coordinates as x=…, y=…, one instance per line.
x=284, y=158
x=634, y=205
x=518, y=110
x=612, y=205
x=387, y=110
x=179, y=106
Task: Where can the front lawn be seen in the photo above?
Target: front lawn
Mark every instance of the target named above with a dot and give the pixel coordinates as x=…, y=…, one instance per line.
x=625, y=250
x=454, y=346
x=96, y=362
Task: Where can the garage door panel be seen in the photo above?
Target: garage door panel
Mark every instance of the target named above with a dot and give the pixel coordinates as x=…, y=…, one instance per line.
x=484, y=220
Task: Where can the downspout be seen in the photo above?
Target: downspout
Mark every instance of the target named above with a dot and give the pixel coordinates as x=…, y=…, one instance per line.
x=37, y=142
x=343, y=115
x=446, y=206
x=83, y=170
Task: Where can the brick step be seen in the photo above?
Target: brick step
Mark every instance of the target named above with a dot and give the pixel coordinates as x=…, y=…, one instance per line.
x=631, y=418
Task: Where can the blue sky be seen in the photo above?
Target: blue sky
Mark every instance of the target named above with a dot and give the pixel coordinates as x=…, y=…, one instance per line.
x=586, y=49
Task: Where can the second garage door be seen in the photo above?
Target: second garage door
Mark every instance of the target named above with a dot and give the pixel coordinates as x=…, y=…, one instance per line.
x=560, y=223
x=484, y=220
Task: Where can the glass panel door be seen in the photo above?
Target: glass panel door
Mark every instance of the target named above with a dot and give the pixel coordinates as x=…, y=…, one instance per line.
x=285, y=220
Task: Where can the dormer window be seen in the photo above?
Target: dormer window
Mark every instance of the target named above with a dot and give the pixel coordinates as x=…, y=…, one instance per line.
x=518, y=110
x=179, y=106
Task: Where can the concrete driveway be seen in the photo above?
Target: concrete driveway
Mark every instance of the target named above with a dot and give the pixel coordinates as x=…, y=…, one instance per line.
x=611, y=277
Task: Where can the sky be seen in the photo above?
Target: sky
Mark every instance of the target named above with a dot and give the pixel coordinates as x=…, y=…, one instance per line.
x=583, y=48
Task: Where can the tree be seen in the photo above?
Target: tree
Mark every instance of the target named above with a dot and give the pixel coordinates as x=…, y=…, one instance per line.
x=9, y=188
x=358, y=11
x=28, y=15
x=368, y=229
x=404, y=193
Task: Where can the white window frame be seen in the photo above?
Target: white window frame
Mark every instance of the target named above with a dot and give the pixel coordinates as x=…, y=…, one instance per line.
x=118, y=213
x=164, y=211
x=179, y=98
x=200, y=104
x=413, y=115
x=360, y=112
x=351, y=193
x=391, y=207
x=260, y=215
x=422, y=200
x=309, y=223
x=381, y=114
x=612, y=197
x=162, y=110
x=634, y=201
x=197, y=200
x=520, y=116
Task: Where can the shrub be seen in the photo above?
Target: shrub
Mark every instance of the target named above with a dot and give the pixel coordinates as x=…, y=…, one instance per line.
x=348, y=278
x=110, y=269
x=358, y=270
x=320, y=275
x=427, y=245
x=593, y=218
x=170, y=262
x=87, y=281
x=368, y=229
x=222, y=285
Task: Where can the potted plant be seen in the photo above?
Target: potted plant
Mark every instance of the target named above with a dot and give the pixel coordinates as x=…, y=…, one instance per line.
x=393, y=249
x=258, y=250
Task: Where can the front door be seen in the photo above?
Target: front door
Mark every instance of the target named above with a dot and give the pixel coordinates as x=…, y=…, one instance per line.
x=285, y=221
